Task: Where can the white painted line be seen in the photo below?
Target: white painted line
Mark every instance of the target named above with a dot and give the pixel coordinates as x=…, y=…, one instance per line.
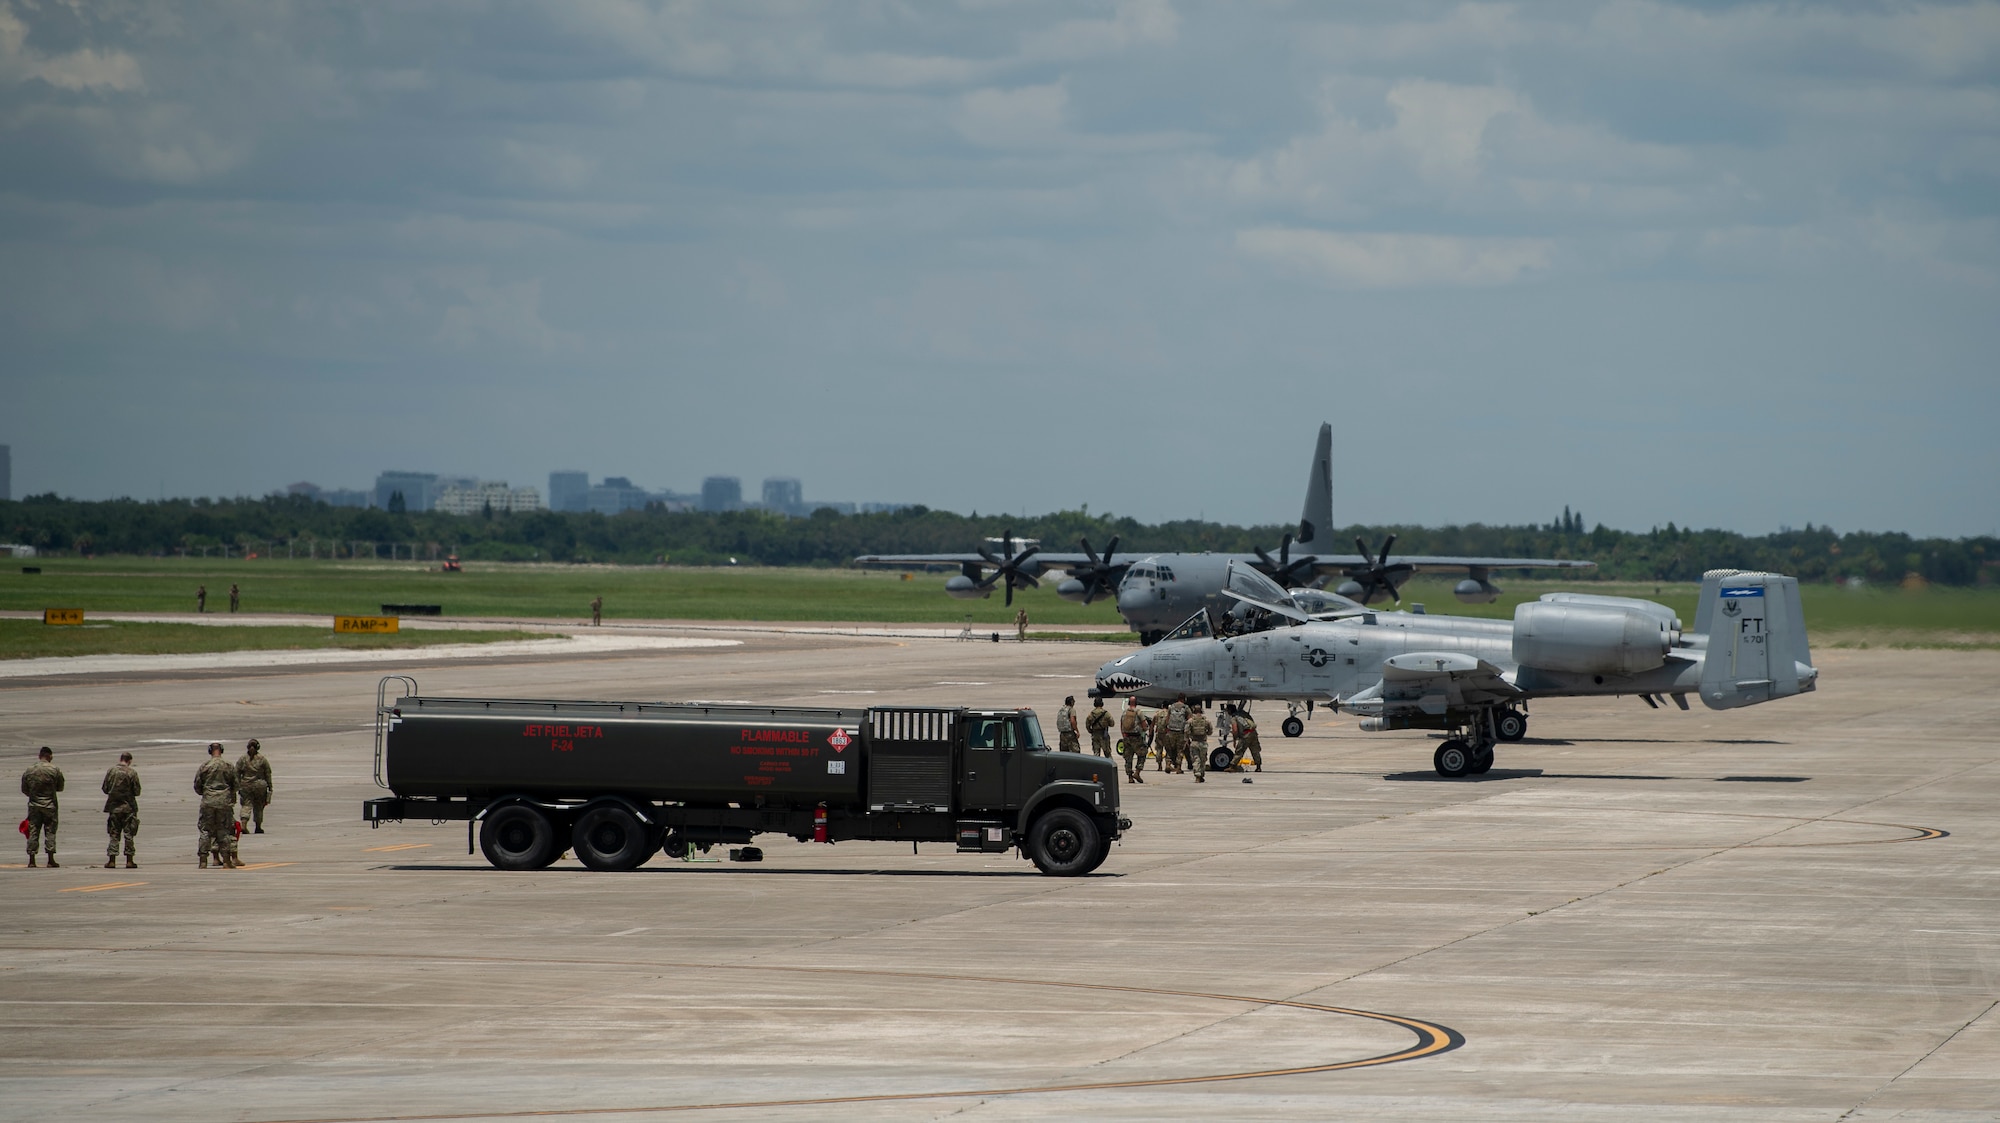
x=628, y=932
x=229, y=660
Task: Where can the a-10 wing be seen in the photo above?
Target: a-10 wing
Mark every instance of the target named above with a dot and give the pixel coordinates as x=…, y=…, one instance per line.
x=1432, y=682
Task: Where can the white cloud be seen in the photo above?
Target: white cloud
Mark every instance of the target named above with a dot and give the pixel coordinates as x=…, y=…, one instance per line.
x=486, y=314
x=1396, y=261
x=1027, y=117
x=1134, y=23
x=84, y=69
x=549, y=167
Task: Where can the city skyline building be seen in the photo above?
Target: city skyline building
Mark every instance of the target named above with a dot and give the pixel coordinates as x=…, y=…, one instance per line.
x=785, y=495
x=487, y=495
x=569, y=490
x=722, y=493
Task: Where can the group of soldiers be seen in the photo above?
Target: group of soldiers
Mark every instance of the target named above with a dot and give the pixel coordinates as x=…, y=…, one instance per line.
x=1175, y=735
x=222, y=786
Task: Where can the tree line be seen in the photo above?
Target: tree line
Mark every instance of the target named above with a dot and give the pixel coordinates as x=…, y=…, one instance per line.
x=296, y=526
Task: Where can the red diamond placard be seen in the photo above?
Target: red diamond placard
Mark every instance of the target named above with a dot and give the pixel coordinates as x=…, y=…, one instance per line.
x=839, y=739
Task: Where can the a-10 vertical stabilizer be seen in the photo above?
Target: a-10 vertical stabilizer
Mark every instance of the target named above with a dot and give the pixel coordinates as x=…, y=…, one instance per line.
x=1756, y=632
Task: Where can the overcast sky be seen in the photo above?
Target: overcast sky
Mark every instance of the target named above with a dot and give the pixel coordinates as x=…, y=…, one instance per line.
x=1719, y=265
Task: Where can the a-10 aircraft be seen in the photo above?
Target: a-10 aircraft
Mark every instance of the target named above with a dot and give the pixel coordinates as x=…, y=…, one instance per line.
x=1155, y=592
x=1474, y=677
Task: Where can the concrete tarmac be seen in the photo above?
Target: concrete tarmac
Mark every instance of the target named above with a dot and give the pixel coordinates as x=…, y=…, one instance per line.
x=1787, y=912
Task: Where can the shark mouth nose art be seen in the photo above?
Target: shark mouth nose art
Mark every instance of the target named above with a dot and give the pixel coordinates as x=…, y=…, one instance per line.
x=1122, y=683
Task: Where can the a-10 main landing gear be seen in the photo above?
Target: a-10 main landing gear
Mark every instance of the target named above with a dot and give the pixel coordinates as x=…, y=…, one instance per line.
x=1469, y=751
x=1294, y=725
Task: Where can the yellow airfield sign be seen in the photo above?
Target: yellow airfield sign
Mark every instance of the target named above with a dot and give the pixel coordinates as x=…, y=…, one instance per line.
x=62, y=615
x=366, y=625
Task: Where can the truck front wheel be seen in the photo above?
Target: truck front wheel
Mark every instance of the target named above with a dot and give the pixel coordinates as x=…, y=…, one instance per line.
x=1065, y=843
x=518, y=837
x=610, y=838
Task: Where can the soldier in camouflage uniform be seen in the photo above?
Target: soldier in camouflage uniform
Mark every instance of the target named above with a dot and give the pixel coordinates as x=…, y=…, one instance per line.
x=253, y=784
x=1132, y=741
x=1198, y=730
x=1176, y=743
x=1066, y=736
x=121, y=812
x=1021, y=625
x=215, y=782
x=40, y=783
x=1246, y=737
x=1098, y=724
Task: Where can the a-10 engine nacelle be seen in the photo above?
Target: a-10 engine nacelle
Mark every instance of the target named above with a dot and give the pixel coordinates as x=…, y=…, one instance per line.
x=1590, y=639
x=965, y=588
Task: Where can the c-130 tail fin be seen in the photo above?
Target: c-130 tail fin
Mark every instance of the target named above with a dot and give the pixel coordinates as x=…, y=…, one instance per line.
x=1316, y=521
x=1757, y=647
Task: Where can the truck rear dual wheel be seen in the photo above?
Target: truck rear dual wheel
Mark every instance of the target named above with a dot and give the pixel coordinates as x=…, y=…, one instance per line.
x=518, y=837
x=1065, y=843
x=610, y=837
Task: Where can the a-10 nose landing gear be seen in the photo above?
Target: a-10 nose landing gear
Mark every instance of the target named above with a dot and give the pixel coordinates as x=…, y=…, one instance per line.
x=1469, y=751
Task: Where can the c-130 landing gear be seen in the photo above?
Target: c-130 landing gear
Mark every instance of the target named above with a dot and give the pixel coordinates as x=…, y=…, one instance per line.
x=1469, y=750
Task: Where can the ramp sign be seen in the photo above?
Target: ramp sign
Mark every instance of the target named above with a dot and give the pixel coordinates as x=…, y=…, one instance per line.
x=366, y=625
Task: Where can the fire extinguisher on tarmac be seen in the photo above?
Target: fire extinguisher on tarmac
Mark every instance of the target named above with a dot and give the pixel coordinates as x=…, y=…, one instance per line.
x=819, y=824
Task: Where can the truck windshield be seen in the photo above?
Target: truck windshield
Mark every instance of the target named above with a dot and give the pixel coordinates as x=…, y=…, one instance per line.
x=1031, y=730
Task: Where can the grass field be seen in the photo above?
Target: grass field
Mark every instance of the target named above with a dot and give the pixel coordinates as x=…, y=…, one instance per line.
x=31, y=639
x=549, y=592
x=1835, y=616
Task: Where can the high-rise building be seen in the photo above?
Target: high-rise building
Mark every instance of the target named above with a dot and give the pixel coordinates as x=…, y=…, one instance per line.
x=721, y=493
x=569, y=491
x=418, y=489
x=615, y=494
x=6, y=472
x=492, y=495
x=783, y=495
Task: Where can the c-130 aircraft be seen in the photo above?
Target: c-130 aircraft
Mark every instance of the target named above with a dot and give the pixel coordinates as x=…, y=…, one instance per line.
x=1155, y=592
x=1473, y=677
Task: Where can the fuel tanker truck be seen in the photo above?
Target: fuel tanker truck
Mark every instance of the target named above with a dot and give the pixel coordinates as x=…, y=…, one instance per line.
x=618, y=782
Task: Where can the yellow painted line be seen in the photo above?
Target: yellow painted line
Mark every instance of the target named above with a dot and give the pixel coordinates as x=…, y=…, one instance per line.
x=101, y=888
x=264, y=865
x=398, y=846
